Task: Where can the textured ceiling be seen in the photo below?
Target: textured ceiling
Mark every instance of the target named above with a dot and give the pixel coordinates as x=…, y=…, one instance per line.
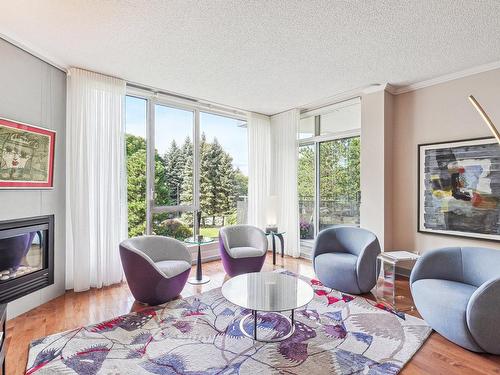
x=264, y=56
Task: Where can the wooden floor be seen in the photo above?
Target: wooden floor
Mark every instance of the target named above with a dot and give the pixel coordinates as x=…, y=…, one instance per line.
x=437, y=355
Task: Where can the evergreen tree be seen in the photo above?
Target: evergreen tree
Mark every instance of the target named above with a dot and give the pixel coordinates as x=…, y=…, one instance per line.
x=217, y=180
x=174, y=169
x=187, y=149
x=241, y=184
x=227, y=184
x=207, y=176
x=162, y=191
x=187, y=188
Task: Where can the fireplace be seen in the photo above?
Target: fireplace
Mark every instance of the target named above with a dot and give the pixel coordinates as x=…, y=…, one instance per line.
x=26, y=256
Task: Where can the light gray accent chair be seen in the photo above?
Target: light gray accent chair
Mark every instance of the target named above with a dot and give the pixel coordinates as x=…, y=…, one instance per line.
x=457, y=292
x=243, y=249
x=345, y=259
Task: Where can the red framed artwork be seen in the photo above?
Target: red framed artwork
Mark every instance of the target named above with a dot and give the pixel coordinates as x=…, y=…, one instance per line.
x=26, y=156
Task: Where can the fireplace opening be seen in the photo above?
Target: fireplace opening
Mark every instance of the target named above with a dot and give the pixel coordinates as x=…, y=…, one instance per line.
x=26, y=256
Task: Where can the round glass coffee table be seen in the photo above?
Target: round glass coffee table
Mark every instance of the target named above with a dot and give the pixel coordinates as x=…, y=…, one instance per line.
x=269, y=292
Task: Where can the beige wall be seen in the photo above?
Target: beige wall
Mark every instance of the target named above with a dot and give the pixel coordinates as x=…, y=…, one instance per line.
x=376, y=165
x=437, y=113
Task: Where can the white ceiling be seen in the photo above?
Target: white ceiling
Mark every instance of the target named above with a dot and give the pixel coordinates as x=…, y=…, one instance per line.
x=258, y=55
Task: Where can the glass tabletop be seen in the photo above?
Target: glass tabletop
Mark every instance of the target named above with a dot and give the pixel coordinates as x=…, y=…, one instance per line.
x=199, y=241
x=267, y=291
x=396, y=256
x=269, y=233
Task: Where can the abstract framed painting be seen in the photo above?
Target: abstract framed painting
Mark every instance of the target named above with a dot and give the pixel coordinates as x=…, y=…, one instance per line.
x=459, y=188
x=26, y=156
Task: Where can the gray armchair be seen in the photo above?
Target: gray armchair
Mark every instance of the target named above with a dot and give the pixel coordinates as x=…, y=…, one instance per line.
x=457, y=291
x=345, y=259
x=243, y=249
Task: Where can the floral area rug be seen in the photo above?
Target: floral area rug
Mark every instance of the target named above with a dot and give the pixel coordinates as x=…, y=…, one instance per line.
x=335, y=334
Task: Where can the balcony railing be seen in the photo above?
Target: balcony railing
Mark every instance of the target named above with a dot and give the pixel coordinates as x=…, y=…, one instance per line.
x=338, y=211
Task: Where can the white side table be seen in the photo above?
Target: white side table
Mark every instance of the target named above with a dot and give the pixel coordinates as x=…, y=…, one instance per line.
x=385, y=290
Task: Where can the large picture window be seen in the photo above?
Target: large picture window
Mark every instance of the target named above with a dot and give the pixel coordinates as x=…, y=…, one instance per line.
x=223, y=172
x=328, y=169
x=187, y=169
x=136, y=154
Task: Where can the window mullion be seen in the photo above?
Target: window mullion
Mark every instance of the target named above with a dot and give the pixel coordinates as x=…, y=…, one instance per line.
x=150, y=164
x=196, y=170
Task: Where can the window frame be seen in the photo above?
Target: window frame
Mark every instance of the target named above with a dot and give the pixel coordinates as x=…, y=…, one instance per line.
x=316, y=140
x=152, y=100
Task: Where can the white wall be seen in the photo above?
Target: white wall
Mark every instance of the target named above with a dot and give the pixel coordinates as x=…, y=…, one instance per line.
x=376, y=165
x=34, y=92
x=434, y=114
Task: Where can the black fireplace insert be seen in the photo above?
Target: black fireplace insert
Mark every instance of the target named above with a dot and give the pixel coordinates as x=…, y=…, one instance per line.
x=26, y=256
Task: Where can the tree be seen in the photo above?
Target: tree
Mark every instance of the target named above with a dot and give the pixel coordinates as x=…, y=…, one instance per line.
x=339, y=180
x=226, y=196
x=305, y=173
x=174, y=169
x=217, y=181
x=241, y=184
x=339, y=185
x=220, y=183
x=136, y=183
x=162, y=191
x=339, y=169
x=187, y=148
x=208, y=171
x=133, y=144
x=136, y=190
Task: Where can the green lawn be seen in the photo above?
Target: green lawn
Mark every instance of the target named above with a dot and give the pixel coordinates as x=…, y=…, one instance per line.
x=210, y=232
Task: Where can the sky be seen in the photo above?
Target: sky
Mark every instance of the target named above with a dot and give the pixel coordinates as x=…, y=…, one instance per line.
x=172, y=123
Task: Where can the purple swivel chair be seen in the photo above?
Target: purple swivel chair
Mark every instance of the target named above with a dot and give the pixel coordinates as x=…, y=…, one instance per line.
x=243, y=249
x=156, y=267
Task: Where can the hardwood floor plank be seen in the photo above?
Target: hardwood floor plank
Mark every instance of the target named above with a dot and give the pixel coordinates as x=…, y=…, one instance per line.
x=73, y=310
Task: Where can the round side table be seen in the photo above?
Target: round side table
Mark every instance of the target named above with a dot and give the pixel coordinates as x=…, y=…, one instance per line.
x=199, y=278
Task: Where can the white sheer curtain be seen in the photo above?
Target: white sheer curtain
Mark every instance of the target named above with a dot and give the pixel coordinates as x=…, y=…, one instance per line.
x=94, y=162
x=259, y=168
x=284, y=127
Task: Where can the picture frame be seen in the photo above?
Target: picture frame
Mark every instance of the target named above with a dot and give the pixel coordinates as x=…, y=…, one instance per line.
x=459, y=188
x=26, y=156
